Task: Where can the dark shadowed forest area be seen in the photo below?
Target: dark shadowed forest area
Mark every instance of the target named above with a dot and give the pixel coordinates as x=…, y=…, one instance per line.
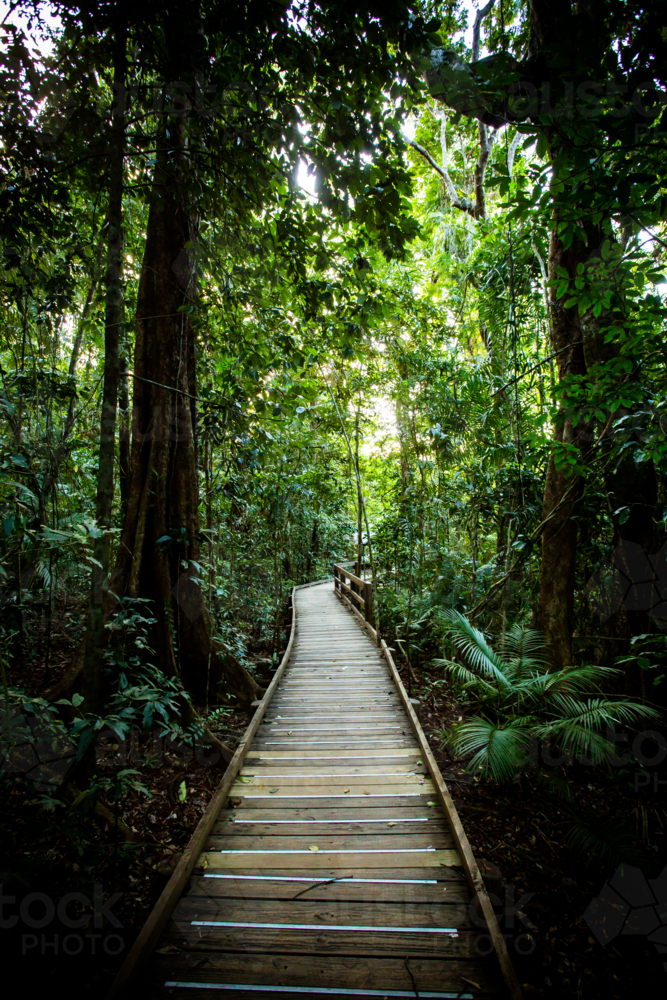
x=286, y=284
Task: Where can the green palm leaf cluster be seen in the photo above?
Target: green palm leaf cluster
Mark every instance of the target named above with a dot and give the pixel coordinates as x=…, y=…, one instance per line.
x=529, y=715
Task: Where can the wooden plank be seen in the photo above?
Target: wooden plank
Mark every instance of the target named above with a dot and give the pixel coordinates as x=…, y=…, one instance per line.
x=399, y=742
x=275, y=768
x=316, y=831
x=322, y=941
x=358, y=716
x=157, y=920
x=333, y=972
x=362, y=812
x=303, y=910
x=331, y=840
x=345, y=699
x=415, y=891
x=315, y=711
x=443, y=876
x=342, y=731
x=470, y=865
x=336, y=764
x=394, y=775
x=327, y=859
x=352, y=800
x=332, y=785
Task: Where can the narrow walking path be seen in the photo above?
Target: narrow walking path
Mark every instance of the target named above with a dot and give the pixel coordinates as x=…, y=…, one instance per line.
x=333, y=867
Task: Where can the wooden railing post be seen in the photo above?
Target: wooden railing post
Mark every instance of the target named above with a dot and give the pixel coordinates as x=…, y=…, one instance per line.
x=368, y=602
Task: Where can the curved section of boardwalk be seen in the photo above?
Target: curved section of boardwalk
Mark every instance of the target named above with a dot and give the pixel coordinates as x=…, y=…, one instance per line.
x=331, y=869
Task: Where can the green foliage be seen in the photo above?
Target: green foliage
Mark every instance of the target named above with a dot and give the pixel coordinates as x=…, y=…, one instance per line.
x=523, y=703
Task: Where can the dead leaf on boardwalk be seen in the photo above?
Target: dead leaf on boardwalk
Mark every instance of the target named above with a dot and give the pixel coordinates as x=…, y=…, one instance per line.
x=366, y=793
x=313, y=847
x=391, y=824
x=168, y=949
x=345, y=791
x=273, y=791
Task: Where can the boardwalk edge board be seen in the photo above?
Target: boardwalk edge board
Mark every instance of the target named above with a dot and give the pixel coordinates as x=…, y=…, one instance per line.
x=469, y=864
x=159, y=917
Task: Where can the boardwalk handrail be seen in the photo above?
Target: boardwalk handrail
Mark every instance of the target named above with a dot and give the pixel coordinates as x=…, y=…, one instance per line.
x=161, y=912
x=351, y=594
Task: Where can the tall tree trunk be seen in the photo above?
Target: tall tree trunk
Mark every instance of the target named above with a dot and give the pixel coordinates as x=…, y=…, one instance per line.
x=159, y=550
x=360, y=511
x=92, y=677
x=124, y=427
x=554, y=613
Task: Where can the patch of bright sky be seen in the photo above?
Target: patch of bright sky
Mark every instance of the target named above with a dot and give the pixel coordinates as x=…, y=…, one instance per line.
x=21, y=19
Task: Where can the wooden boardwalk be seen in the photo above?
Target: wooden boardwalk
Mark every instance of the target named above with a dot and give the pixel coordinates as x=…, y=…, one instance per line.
x=334, y=864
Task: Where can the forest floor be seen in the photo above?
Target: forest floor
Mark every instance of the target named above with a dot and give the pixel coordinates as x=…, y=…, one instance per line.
x=546, y=888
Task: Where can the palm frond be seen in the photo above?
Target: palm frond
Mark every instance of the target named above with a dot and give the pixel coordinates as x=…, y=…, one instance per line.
x=466, y=677
x=596, y=712
x=525, y=643
x=602, y=840
x=474, y=646
x=501, y=752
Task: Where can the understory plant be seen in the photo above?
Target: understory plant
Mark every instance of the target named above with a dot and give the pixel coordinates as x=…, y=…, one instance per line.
x=528, y=716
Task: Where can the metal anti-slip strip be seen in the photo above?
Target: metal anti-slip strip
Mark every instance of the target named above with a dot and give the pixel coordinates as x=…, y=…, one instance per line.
x=326, y=850
x=344, y=774
x=329, y=743
x=343, y=756
x=320, y=729
x=318, y=881
x=270, y=822
x=351, y=795
x=451, y=931
x=337, y=991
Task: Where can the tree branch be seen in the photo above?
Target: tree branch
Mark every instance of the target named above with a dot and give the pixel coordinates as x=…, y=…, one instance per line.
x=481, y=14
x=457, y=200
